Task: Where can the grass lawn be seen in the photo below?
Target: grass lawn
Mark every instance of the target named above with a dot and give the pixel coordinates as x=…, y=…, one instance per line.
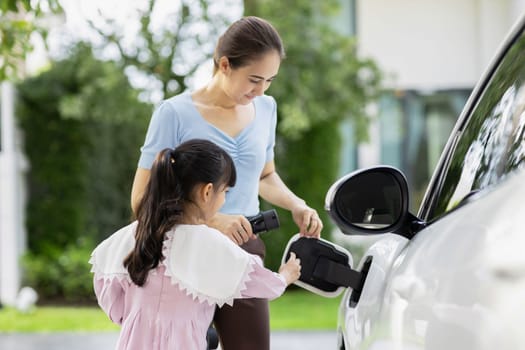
x=297, y=309
x=300, y=309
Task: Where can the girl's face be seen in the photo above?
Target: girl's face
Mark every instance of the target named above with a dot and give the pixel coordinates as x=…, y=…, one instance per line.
x=243, y=84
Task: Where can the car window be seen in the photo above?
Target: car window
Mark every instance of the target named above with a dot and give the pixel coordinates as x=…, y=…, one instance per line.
x=491, y=144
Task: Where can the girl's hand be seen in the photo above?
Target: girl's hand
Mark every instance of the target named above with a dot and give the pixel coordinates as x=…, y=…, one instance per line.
x=291, y=271
x=235, y=227
x=309, y=223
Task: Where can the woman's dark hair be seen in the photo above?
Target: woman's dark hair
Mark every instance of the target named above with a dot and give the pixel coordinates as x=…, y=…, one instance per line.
x=174, y=175
x=245, y=41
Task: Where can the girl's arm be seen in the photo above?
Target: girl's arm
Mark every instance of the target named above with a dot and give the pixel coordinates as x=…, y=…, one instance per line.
x=110, y=296
x=267, y=284
x=274, y=190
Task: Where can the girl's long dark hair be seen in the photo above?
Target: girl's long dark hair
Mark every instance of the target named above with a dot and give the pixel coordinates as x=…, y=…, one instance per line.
x=174, y=175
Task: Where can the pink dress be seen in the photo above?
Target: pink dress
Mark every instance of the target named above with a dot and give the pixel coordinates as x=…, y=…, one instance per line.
x=202, y=268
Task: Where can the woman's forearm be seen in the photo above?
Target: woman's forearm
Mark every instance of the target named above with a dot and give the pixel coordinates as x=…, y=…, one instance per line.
x=275, y=191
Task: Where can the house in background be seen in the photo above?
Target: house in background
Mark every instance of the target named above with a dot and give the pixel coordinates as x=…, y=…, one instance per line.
x=432, y=54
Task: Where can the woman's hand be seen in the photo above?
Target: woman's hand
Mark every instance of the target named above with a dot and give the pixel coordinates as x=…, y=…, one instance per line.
x=306, y=218
x=291, y=271
x=235, y=227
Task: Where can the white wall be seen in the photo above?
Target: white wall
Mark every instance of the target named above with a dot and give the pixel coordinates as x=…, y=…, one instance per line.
x=429, y=44
x=12, y=200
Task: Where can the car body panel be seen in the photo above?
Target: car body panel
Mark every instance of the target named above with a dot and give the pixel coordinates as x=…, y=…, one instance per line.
x=439, y=297
x=355, y=320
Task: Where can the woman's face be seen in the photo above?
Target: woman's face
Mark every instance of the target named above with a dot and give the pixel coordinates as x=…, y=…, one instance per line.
x=243, y=84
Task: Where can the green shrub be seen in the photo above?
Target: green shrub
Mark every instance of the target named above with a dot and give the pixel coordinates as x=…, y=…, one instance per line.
x=83, y=125
x=65, y=276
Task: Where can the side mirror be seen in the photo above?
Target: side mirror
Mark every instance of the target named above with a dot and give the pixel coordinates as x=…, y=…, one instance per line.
x=371, y=201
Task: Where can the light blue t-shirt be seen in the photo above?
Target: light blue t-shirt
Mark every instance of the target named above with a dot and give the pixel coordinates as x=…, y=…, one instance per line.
x=177, y=120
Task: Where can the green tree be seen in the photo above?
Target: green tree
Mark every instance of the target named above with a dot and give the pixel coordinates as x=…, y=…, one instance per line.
x=20, y=19
x=172, y=53
x=322, y=82
x=82, y=124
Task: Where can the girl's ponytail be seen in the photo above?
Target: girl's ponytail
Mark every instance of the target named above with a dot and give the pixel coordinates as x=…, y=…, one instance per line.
x=159, y=210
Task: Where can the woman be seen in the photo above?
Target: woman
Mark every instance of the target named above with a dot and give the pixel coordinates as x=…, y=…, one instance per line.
x=232, y=111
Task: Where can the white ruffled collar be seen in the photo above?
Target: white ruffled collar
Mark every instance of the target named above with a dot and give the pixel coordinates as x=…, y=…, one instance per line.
x=201, y=261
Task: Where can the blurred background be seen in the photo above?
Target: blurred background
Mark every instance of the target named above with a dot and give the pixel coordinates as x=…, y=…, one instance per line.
x=365, y=82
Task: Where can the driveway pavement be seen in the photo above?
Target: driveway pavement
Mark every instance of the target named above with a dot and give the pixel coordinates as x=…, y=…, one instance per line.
x=282, y=340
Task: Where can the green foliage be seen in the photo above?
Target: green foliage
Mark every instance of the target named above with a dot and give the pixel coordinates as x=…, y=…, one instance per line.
x=83, y=125
x=322, y=77
x=47, y=319
x=321, y=82
x=63, y=276
x=166, y=53
x=20, y=19
x=298, y=309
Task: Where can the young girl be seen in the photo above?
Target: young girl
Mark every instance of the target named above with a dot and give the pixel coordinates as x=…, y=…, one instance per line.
x=161, y=277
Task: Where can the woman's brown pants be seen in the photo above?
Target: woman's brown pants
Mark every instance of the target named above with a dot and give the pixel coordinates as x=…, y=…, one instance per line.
x=246, y=324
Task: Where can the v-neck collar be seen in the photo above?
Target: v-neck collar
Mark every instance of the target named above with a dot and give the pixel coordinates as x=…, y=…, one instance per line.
x=222, y=132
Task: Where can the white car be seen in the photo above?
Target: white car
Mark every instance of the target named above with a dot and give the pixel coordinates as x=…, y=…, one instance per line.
x=451, y=277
